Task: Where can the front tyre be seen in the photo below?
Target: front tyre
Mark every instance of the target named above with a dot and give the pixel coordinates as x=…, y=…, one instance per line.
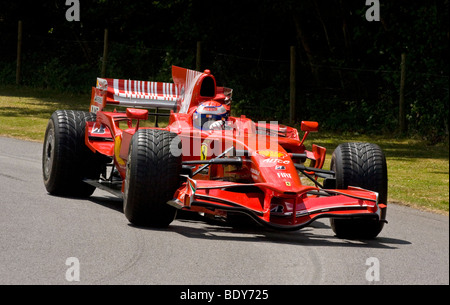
x=152, y=177
x=362, y=165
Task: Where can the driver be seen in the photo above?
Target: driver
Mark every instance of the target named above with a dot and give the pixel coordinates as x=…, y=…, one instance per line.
x=210, y=115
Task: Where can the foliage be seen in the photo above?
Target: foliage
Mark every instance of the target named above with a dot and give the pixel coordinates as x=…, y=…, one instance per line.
x=348, y=69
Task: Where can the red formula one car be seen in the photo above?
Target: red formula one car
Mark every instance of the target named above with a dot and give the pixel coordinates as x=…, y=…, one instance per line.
x=208, y=162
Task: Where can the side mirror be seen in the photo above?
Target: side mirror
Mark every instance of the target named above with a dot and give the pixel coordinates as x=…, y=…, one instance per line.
x=138, y=114
x=309, y=126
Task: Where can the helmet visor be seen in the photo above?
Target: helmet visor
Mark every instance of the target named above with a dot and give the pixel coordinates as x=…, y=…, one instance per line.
x=204, y=121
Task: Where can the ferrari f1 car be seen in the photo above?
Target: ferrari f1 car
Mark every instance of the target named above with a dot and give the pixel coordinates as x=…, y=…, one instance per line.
x=208, y=162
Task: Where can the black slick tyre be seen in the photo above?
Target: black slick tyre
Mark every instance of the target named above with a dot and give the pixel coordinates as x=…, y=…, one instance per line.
x=361, y=165
x=152, y=177
x=66, y=160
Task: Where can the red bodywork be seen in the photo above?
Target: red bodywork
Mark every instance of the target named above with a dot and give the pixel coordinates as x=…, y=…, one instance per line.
x=264, y=185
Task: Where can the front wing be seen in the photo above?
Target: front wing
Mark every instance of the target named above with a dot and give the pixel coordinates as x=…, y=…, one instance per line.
x=273, y=207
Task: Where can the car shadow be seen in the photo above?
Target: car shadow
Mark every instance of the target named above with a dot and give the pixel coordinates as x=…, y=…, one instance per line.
x=317, y=234
x=192, y=225
x=110, y=202
x=309, y=236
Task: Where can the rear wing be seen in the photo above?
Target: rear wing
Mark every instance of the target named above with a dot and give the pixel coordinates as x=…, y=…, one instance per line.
x=188, y=89
x=133, y=93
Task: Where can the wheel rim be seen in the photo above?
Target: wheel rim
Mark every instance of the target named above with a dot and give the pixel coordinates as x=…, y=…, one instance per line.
x=49, y=153
x=127, y=180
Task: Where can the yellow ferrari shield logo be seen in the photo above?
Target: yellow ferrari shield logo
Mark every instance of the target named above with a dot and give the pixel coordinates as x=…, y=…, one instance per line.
x=204, y=151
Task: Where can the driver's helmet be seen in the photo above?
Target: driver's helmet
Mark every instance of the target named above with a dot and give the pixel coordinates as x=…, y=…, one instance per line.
x=208, y=113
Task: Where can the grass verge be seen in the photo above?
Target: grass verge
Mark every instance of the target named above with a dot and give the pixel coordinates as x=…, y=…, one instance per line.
x=24, y=112
x=418, y=174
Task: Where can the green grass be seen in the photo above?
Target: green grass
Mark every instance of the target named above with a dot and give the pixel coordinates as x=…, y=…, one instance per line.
x=418, y=174
x=24, y=112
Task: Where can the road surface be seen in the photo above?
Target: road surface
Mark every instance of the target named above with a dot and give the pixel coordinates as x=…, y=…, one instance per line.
x=54, y=240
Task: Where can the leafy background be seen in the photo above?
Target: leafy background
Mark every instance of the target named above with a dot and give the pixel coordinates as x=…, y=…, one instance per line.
x=348, y=69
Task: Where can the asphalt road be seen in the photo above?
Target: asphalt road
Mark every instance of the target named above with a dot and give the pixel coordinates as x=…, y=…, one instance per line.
x=53, y=240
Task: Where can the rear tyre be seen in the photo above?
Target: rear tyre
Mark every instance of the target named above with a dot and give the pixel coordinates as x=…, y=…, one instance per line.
x=362, y=165
x=152, y=177
x=66, y=160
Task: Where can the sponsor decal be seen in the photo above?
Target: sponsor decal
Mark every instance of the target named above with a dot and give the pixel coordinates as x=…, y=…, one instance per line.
x=254, y=171
x=117, y=145
x=102, y=84
x=98, y=129
x=284, y=175
x=94, y=109
x=280, y=167
x=287, y=183
x=255, y=174
x=277, y=209
x=276, y=161
x=271, y=153
x=191, y=187
x=98, y=99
